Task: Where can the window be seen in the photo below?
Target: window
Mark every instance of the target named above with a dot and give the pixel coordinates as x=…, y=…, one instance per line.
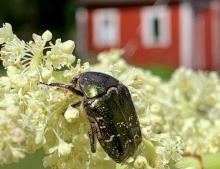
x=106, y=27
x=155, y=26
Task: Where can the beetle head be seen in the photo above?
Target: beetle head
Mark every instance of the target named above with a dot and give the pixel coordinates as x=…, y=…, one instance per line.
x=93, y=84
x=75, y=83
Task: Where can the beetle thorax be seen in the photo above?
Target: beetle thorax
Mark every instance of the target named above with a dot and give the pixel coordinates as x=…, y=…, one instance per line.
x=95, y=84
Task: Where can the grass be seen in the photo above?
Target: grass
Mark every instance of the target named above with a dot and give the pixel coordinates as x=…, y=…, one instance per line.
x=162, y=71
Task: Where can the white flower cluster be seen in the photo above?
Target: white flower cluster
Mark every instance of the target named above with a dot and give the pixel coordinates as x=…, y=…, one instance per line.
x=34, y=116
x=194, y=99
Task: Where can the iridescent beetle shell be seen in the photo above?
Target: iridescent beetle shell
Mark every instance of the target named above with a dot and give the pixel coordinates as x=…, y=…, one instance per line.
x=111, y=113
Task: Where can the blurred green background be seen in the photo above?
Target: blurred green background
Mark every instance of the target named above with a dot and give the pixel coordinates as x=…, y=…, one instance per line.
x=28, y=16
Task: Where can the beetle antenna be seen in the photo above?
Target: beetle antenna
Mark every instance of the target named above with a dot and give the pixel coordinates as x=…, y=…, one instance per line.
x=65, y=86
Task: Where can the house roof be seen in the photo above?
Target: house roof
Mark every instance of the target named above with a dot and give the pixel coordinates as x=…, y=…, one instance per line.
x=122, y=2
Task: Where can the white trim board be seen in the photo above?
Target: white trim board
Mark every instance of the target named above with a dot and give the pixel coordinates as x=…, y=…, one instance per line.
x=186, y=34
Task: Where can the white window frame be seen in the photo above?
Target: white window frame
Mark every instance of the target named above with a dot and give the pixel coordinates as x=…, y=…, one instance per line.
x=99, y=16
x=163, y=14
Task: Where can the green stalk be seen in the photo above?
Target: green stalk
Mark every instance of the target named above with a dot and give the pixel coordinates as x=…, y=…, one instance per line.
x=211, y=161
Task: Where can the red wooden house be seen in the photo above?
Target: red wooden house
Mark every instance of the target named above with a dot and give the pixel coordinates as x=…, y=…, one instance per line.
x=177, y=33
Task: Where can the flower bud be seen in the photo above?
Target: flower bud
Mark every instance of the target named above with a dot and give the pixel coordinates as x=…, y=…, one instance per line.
x=140, y=162
x=47, y=36
x=71, y=114
x=64, y=148
x=67, y=46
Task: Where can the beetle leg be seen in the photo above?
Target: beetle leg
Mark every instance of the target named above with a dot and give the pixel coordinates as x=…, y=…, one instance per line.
x=91, y=134
x=65, y=86
x=77, y=104
x=92, y=141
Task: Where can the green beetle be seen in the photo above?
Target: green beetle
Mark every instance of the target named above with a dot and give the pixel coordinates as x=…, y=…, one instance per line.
x=111, y=113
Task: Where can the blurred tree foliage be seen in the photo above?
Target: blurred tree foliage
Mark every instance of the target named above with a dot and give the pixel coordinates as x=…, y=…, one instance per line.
x=28, y=16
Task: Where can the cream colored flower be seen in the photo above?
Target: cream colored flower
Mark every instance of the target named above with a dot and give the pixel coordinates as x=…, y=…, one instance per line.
x=71, y=114
x=60, y=54
x=6, y=33
x=140, y=162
